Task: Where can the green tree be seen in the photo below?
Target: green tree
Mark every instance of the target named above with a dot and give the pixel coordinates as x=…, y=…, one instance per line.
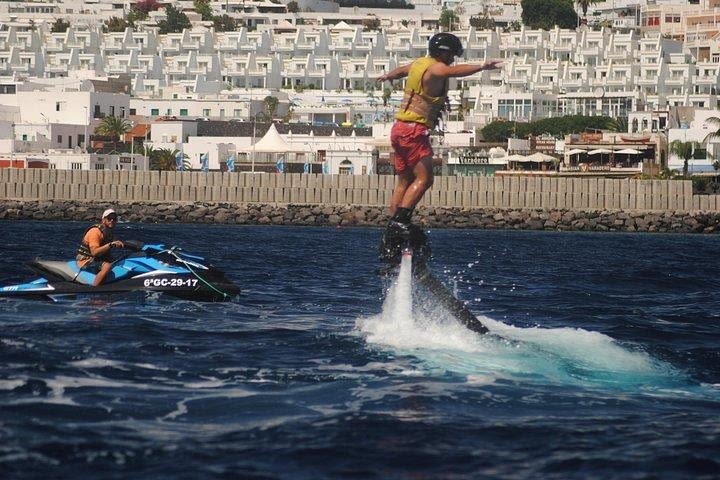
x=619, y=124
x=60, y=26
x=135, y=15
x=176, y=21
x=271, y=105
x=204, y=9
x=164, y=159
x=292, y=7
x=387, y=93
x=225, y=23
x=715, y=135
x=584, y=4
x=483, y=22
x=545, y=14
x=370, y=24
x=448, y=18
x=684, y=150
x=113, y=127
x=115, y=24
x=501, y=130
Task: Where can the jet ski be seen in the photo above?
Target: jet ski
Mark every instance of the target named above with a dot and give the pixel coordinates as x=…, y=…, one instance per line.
x=399, y=241
x=146, y=268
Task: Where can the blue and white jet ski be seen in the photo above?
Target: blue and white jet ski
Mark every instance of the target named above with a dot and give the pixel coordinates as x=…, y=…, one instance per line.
x=151, y=268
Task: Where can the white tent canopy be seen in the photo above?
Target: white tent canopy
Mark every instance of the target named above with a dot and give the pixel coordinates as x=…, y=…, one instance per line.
x=599, y=151
x=272, y=142
x=629, y=151
x=539, y=157
x=576, y=151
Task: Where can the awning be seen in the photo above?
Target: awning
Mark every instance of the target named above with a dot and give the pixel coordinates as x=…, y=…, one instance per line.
x=576, y=151
x=599, y=150
x=539, y=157
x=629, y=151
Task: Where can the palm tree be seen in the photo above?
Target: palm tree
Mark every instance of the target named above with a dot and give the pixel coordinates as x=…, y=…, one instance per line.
x=685, y=151
x=584, y=4
x=164, y=159
x=113, y=127
x=715, y=121
x=618, y=124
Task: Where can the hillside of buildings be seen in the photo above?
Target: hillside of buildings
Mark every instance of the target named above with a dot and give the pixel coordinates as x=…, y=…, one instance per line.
x=210, y=80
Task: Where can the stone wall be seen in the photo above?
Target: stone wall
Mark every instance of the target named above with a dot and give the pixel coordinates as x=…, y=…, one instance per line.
x=345, y=215
x=366, y=190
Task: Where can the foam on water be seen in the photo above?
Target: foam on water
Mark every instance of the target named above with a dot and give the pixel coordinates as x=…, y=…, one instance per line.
x=411, y=322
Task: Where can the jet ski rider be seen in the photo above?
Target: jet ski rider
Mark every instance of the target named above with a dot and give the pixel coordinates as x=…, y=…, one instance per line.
x=93, y=255
x=425, y=98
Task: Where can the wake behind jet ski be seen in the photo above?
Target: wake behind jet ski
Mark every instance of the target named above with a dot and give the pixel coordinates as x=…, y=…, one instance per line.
x=401, y=239
x=151, y=268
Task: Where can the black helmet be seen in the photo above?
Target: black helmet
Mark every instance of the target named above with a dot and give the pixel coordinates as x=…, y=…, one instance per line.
x=445, y=42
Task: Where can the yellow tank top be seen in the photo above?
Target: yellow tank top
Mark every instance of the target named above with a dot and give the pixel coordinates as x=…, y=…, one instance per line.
x=414, y=86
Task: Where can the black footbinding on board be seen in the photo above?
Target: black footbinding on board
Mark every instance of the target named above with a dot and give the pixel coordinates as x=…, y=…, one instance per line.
x=399, y=238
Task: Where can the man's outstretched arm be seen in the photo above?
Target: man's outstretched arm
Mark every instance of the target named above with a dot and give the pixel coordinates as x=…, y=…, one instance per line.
x=395, y=73
x=463, y=70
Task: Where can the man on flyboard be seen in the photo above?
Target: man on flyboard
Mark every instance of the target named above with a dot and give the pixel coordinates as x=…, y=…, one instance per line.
x=423, y=103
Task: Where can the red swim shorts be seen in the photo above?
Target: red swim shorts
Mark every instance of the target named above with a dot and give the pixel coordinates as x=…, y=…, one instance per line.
x=411, y=142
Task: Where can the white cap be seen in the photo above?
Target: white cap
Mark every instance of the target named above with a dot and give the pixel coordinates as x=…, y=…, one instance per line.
x=107, y=212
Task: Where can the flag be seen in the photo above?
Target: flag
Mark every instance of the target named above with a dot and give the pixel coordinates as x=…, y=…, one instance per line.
x=204, y=162
x=230, y=163
x=179, y=164
x=326, y=167
x=370, y=168
x=306, y=167
x=280, y=164
x=352, y=170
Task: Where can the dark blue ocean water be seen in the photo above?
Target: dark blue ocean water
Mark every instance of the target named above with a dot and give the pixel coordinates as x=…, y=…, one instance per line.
x=603, y=362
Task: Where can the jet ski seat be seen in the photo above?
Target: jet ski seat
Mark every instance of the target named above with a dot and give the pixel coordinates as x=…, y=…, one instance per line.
x=56, y=269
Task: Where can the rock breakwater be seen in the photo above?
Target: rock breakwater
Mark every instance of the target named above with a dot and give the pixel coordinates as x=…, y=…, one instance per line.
x=348, y=215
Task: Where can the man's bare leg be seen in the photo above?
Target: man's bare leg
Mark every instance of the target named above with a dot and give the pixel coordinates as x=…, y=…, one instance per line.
x=404, y=181
x=423, y=173
x=104, y=270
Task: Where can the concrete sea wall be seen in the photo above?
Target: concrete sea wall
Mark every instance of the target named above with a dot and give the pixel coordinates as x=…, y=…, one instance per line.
x=592, y=204
x=346, y=215
x=366, y=190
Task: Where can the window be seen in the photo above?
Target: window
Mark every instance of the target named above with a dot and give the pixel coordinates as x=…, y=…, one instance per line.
x=99, y=166
x=155, y=112
x=237, y=112
x=76, y=166
x=183, y=112
x=168, y=111
x=57, y=106
x=112, y=110
x=133, y=111
x=81, y=139
x=59, y=139
x=222, y=112
x=24, y=137
x=122, y=112
x=206, y=112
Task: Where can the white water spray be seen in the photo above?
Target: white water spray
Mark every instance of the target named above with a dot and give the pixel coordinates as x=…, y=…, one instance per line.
x=559, y=355
x=399, y=299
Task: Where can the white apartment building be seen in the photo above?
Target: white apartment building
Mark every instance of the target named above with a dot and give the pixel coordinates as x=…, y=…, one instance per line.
x=325, y=73
x=567, y=71
x=693, y=125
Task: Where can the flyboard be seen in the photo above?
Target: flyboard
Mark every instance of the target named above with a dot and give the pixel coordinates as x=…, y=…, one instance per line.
x=399, y=241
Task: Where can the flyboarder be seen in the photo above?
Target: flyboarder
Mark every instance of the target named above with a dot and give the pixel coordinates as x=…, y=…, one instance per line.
x=423, y=103
x=424, y=100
